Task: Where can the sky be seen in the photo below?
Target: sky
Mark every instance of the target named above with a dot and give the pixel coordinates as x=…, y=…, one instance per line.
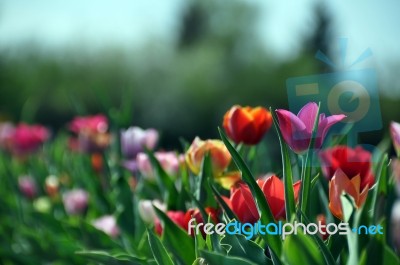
x=128, y=23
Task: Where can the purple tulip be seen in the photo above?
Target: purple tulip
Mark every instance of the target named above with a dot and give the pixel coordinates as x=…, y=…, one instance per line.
x=395, y=132
x=107, y=224
x=75, y=201
x=134, y=140
x=169, y=162
x=27, y=186
x=297, y=130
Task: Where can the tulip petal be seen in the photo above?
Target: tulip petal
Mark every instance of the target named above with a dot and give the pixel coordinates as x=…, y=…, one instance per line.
x=325, y=123
x=308, y=114
x=273, y=190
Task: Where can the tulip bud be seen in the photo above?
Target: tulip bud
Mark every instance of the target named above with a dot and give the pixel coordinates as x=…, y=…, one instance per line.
x=147, y=212
x=107, y=224
x=75, y=201
x=395, y=133
x=220, y=156
x=52, y=185
x=247, y=125
x=27, y=186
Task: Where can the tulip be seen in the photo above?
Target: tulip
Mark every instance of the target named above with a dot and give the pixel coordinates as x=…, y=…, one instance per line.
x=395, y=225
x=297, y=130
x=247, y=125
x=107, y=224
x=220, y=156
x=135, y=140
x=341, y=183
x=7, y=130
x=396, y=174
x=353, y=162
x=27, y=138
x=169, y=162
x=75, y=201
x=91, y=133
x=243, y=205
x=229, y=179
x=52, y=185
x=178, y=217
x=147, y=212
x=27, y=186
x=195, y=213
x=395, y=133
x=321, y=219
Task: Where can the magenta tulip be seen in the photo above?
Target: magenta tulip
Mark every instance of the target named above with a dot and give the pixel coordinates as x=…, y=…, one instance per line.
x=395, y=133
x=75, y=201
x=297, y=130
x=107, y=224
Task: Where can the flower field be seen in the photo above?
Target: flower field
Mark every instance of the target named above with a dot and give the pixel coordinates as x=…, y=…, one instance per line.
x=94, y=193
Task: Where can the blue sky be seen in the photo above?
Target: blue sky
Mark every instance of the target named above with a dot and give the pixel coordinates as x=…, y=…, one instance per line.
x=129, y=23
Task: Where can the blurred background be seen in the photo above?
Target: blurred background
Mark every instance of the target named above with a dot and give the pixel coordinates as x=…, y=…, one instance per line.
x=178, y=65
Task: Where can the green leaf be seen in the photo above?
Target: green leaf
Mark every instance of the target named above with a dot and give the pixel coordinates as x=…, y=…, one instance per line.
x=241, y=247
x=160, y=254
x=204, y=193
x=106, y=258
x=380, y=190
x=165, y=182
x=264, y=210
x=174, y=238
x=378, y=253
x=324, y=249
x=216, y=258
x=299, y=249
x=290, y=204
x=228, y=211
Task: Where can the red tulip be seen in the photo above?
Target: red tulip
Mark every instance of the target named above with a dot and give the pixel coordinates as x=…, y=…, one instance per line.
x=247, y=125
x=322, y=219
x=195, y=213
x=28, y=138
x=353, y=162
x=341, y=183
x=178, y=217
x=243, y=205
x=297, y=130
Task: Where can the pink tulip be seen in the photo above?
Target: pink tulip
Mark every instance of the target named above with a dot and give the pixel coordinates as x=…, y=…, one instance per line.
x=27, y=186
x=135, y=140
x=7, y=130
x=28, y=138
x=169, y=162
x=93, y=124
x=107, y=224
x=297, y=130
x=147, y=212
x=75, y=201
x=395, y=133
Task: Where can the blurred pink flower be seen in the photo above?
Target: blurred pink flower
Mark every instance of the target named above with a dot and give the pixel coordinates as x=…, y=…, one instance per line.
x=27, y=186
x=27, y=138
x=91, y=133
x=75, y=201
x=395, y=133
x=169, y=162
x=7, y=130
x=297, y=130
x=134, y=140
x=107, y=224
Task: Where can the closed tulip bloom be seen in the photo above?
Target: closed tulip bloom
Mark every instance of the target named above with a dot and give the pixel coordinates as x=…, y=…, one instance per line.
x=341, y=183
x=28, y=138
x=247, y=125
x=243, y=205
x=169, y=162
x=75, y=201
x=135, y=140
x=178, y=217
x=27, y=186
x=353, y=162
x=297, y=130
x=220, y=156
x=107, y=224
x=395, y=133
x=7, y=130
x=147, y=212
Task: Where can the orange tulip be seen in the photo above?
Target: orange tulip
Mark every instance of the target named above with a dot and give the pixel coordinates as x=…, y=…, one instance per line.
x=247, y=125
x=220, y=156
x=341, y=183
